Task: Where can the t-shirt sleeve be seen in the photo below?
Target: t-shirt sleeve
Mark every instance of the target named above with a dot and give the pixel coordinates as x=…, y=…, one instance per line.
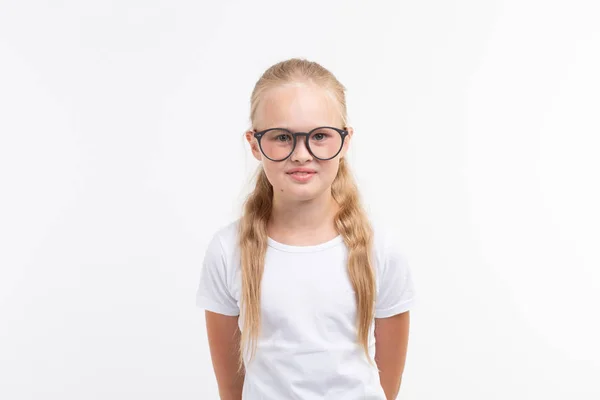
x=213, y=293
x=396, y=289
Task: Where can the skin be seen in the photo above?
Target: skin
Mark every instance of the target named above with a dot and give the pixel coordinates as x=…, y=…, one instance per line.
x=302, y=215
x=302, y=212
x=223, y=338
x=391, y=345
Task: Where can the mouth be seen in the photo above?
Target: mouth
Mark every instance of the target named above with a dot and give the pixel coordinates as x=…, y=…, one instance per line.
x=301, y=176
x=301, y=173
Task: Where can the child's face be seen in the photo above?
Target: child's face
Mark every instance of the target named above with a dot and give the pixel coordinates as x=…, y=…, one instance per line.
x=299, y=108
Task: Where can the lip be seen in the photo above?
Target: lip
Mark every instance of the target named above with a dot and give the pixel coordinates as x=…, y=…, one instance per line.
x=304, y=177
x=309, y=170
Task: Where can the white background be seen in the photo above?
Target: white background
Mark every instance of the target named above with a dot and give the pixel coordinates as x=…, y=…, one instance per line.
x=476, y=137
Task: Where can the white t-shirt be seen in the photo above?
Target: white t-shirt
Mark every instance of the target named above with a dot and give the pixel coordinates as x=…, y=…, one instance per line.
x=308, y=347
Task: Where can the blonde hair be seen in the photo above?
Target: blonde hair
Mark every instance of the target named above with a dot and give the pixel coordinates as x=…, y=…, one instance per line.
x=351, y=221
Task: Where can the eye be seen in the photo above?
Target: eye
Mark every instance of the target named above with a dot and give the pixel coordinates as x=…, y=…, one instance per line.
x=322, y=135
x=282, y=138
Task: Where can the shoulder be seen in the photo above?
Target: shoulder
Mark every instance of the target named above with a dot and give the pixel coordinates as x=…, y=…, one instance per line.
x=386, y=243
x=227, y=234
x=218, y=289
x=390, y=257
x=222, y=245
x=395, y=288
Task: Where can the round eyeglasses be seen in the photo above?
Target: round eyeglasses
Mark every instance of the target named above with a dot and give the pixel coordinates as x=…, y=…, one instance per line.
x=324, y=142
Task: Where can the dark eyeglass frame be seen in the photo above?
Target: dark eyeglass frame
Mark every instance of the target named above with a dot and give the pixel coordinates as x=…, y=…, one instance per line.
x=343, y=133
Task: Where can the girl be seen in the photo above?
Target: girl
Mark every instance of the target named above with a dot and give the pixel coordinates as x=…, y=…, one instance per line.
x=303, y=282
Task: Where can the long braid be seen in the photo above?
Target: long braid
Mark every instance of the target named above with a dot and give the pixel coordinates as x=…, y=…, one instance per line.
x=352, y=223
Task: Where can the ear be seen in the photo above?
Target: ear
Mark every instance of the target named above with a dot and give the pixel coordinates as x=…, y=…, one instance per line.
x=253, y=145
x=347, y=141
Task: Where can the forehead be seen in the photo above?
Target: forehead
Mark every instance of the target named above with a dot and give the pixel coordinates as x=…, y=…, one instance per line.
x=297, y=106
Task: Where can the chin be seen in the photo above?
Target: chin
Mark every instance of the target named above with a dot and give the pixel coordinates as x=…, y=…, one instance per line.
x=300, y=191
x=303, y=193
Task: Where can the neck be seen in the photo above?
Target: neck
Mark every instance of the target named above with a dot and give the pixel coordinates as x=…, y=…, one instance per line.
x=306, y=217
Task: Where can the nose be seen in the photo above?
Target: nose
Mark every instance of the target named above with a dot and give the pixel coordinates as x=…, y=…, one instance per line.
x=301, y=153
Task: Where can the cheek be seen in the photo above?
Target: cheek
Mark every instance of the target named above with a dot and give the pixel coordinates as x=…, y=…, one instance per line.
x=273, y=171
x=332, y=166
x=329, y=172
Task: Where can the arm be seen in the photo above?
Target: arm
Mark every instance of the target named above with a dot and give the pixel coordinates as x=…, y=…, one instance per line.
x=223, y=339
x=391, y=343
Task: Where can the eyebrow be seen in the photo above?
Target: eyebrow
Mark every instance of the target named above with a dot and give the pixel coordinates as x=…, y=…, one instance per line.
x=284, y=126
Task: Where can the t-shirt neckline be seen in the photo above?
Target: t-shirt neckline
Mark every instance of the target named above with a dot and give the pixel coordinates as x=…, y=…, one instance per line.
x=304, y=249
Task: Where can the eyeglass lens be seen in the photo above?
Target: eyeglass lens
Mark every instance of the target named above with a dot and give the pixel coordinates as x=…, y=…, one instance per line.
x=324, y=143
